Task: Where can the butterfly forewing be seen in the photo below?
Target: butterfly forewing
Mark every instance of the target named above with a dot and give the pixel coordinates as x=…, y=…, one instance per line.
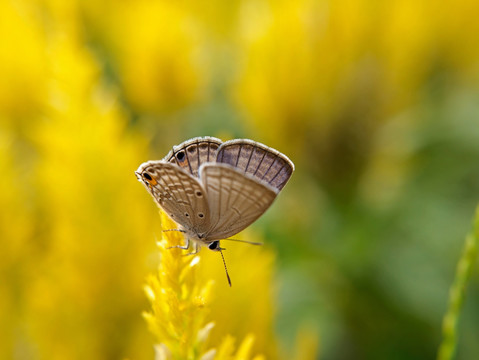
x=190, y=154
x=235, y=200
x=179, y=194
x=258, y=160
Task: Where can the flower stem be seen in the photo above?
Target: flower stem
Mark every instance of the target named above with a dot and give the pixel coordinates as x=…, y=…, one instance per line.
x=457, y=292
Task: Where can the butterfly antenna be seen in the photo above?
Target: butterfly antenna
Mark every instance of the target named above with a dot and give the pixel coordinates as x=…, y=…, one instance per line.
x=226, y=269
x=180, y=230
x=245, y=241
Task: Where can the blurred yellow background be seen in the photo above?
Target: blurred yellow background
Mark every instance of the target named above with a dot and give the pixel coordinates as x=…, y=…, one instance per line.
x=376, y=103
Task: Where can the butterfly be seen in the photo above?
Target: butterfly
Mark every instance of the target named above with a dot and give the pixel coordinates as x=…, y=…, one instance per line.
x=215, y=189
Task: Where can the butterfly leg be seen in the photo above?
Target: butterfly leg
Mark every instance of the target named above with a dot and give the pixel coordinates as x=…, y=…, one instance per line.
x=196, y=248
x=187, y=245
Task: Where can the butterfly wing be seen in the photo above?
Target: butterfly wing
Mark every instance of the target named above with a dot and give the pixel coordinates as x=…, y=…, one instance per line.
x=178, y=193
x=190, y=154
x=258, y=160
x=235, y=199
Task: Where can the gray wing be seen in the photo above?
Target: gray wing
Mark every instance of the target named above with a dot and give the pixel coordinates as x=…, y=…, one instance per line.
x=235, y=199
x=178, y=193
x=258, y=160
x=190, y=154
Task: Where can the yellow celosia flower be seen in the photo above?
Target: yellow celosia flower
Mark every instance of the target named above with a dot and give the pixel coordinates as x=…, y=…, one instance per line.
x=181, y=304
x=315, y=68
x=22, y=63
x=161, y=64
x=196, y=315
x=66, y=180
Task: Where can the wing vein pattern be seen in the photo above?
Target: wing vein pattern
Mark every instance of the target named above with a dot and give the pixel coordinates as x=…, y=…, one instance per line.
x=262, y=162
x=226, y=186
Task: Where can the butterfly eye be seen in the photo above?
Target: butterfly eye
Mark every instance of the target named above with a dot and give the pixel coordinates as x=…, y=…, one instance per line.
x=148, y=178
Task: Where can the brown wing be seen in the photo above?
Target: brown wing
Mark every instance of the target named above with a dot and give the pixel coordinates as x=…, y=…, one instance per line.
x=178, y=193
x=190, y=154
x=235, y=199
x=258, y=160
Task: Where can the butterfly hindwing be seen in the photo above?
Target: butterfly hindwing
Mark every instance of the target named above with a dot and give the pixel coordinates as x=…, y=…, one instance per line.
x=190, y=154
x=258, y=160
x=235, y=199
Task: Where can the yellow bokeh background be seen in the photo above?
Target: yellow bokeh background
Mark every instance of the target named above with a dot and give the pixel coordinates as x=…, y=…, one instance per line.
x=376, y=103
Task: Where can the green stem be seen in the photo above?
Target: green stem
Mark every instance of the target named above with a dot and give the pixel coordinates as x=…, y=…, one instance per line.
x=457, y=292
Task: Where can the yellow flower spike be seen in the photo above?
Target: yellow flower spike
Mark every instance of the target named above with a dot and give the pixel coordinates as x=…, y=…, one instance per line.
x=181, y=299
x=22, y=66
x=178, y=300
x=161, y=63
